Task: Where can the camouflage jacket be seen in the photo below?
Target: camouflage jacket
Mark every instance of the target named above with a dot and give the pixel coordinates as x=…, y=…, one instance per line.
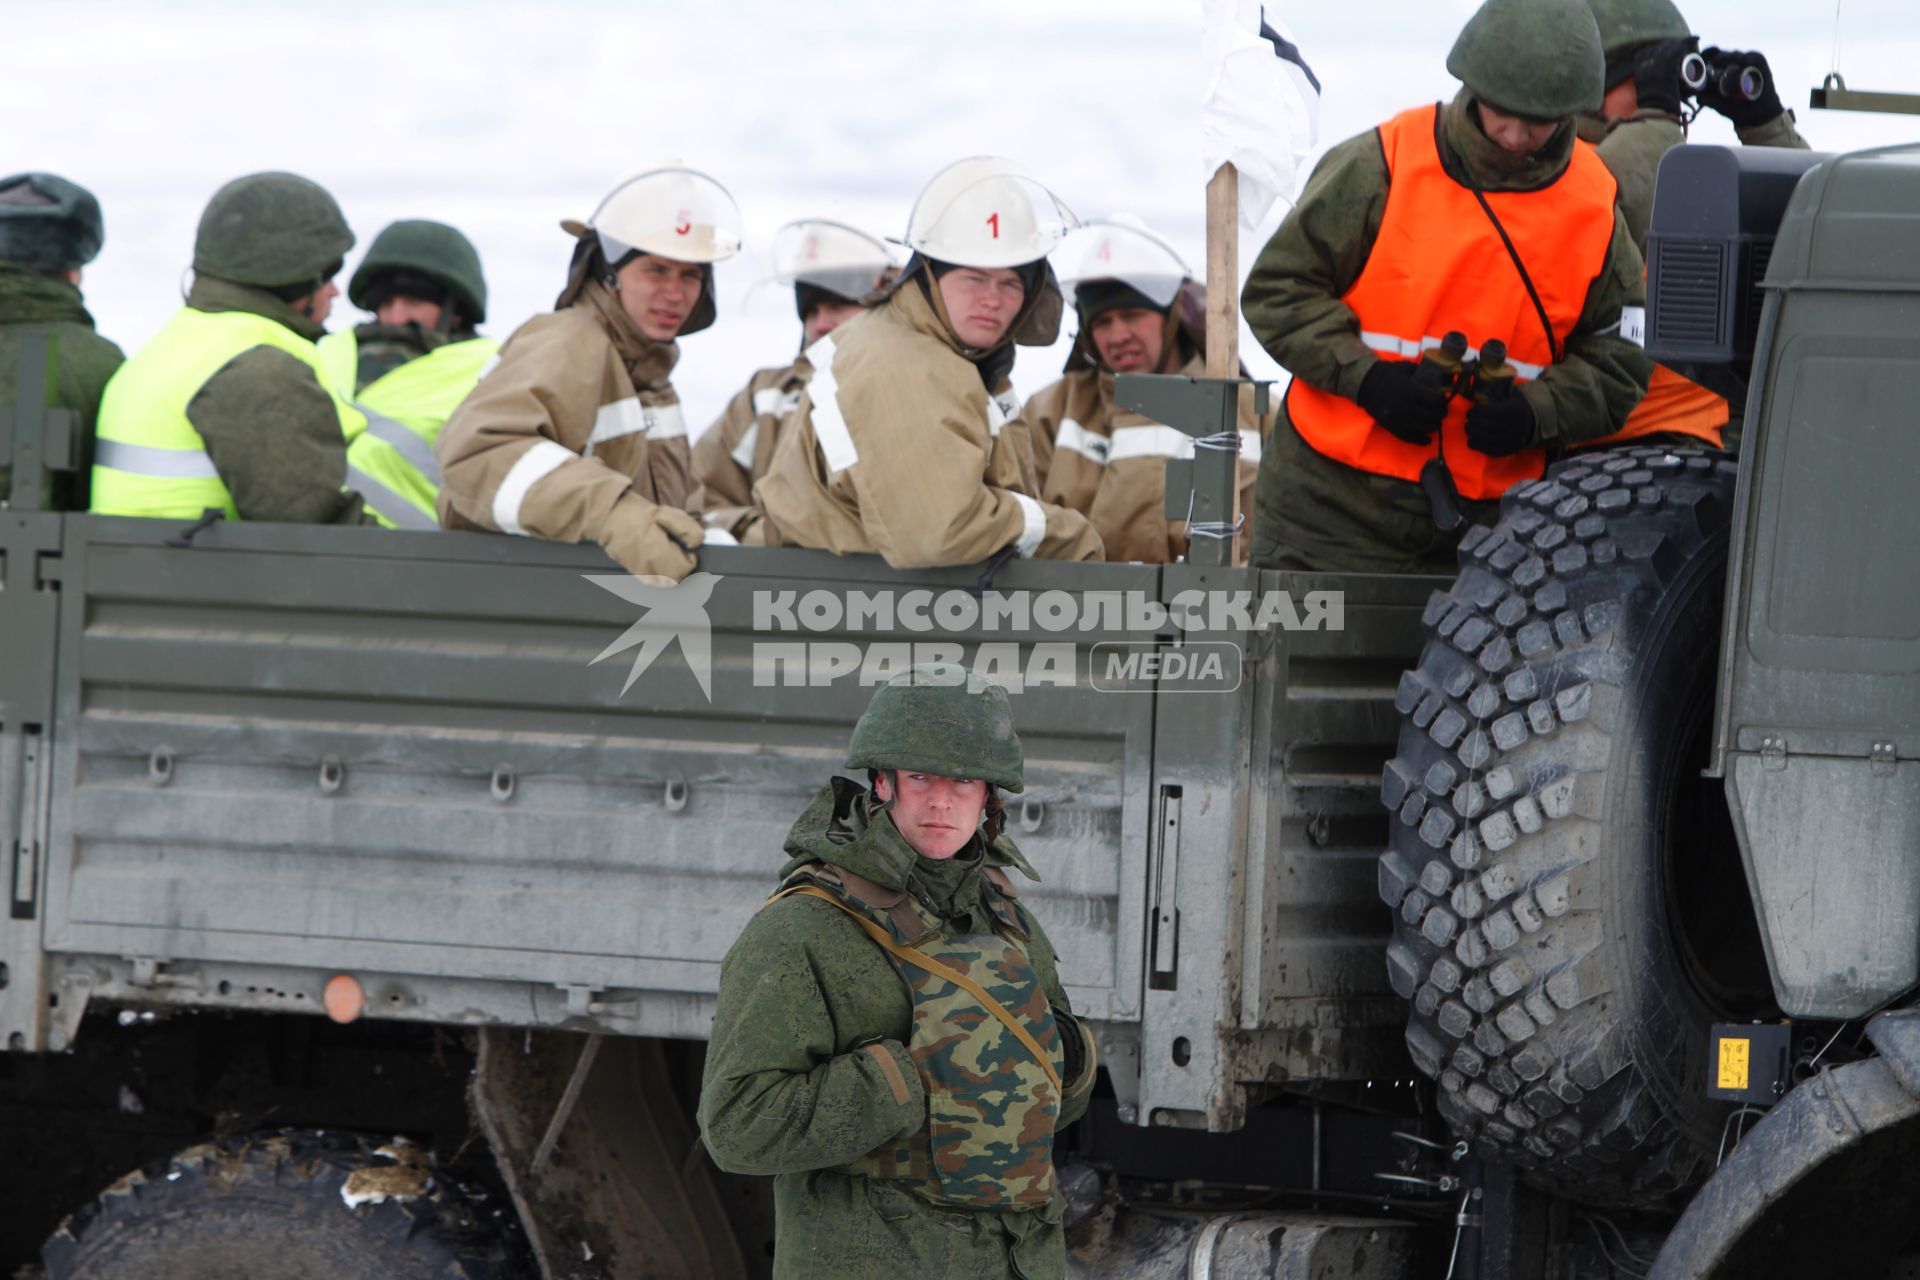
x=808, y=1069
x=30, y=300
x=1632, y=149
x=269, y=425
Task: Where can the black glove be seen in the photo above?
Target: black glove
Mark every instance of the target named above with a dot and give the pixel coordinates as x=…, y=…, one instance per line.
x=1744, y=114
x=1656, y=74
x=1500, y=427
x=1406, y=408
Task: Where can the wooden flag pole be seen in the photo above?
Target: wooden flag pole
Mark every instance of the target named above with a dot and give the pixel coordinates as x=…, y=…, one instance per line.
x=1223, y=314
x=1223, y=273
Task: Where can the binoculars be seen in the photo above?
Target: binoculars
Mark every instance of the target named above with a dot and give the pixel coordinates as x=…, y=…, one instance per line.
x=1446, y=368
x=1730, y=79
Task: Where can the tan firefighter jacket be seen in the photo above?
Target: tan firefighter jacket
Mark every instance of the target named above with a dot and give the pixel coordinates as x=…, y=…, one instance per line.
x=576, y=435
x=1110, y=463
x=737, y=449
x=896, y=447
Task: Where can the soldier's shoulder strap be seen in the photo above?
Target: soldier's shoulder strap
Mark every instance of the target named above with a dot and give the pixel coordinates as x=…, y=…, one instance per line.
x=875, y=900
x=1005, y=903
x=921, y=960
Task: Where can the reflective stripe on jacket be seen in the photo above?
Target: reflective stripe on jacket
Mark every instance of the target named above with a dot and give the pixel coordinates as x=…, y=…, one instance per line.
x=1439, y=265
x=1111, y=463
x=148, y=458
x=392, y=464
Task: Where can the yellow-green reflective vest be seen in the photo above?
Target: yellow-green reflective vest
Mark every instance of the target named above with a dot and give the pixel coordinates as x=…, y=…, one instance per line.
x=148, y=460
x=392, y=465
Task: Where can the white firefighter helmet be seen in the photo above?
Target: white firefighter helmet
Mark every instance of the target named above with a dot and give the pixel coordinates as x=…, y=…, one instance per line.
x=987, y=212
x=829, y=255
x=673, y=212
x=1120, y=248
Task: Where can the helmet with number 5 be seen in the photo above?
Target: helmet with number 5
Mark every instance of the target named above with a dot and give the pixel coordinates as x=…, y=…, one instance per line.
x=986, y=211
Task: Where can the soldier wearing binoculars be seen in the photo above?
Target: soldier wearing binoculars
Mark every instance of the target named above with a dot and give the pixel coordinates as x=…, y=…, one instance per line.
x=1479, y=217
x=1654, y=65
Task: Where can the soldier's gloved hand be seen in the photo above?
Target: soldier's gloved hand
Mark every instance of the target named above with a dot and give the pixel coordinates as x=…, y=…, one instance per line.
x=1744, y=114
x=1656, y=74
x=1500, y=427
x=650, y=540
x=1406, y=408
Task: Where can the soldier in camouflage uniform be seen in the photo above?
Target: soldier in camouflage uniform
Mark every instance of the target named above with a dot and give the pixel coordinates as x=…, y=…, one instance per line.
x=226, y=409
x=1639, y=121
x=1528, y=67
x=908, y=1124
x=49, y=229
x=413, y=365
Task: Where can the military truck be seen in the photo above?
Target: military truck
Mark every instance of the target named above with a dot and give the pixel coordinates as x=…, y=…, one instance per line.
x=368, y=888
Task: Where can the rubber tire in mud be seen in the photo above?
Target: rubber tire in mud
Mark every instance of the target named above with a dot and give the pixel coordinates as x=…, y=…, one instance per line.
x=276, y=1207
x=1537, y=748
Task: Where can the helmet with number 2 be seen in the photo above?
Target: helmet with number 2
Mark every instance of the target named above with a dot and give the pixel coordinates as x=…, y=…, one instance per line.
x=987, y=212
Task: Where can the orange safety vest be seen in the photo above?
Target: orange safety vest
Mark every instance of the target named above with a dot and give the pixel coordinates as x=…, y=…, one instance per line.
x=1673, y=403
x=1438, y=265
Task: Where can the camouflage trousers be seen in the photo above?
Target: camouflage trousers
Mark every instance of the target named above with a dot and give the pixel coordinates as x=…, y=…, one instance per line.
x=1320, y=516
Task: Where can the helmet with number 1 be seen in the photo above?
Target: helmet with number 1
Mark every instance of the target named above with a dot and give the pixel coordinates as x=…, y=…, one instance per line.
x=1123, y=251
x=987, y=212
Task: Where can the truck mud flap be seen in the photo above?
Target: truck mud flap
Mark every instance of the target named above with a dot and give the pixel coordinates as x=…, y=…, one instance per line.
x=1826, y=1184
x=601, y=1162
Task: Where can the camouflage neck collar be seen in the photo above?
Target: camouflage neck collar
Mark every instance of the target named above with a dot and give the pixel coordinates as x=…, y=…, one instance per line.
x=210, y=294
x=30, y=297
x=837, y=828
x=1486, y=165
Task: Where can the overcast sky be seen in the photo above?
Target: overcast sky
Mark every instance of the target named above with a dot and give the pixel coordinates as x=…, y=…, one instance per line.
x=504, y=118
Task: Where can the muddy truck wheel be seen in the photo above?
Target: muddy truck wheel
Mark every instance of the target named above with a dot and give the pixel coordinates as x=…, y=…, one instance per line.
x=1571, y=914
x=284, y=1206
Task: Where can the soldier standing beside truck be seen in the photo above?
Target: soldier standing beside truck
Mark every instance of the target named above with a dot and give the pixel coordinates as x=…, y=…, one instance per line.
x=577, y=434
x=891, y=1039
x=412, y=365
x=1482, y=216
x=1648, y=44
x=227, y=409
x=1140, y=312
x=832, y=268
x=49, y=229
x=909, y=441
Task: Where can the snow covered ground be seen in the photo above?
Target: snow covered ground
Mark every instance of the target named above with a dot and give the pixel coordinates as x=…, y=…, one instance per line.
x=503, y=118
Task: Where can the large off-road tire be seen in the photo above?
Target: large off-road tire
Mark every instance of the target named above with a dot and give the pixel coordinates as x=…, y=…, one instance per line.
x=1570, y=911
x=287, y=1206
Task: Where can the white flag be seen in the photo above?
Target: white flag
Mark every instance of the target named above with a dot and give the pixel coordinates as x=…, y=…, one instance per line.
x=1261, y=112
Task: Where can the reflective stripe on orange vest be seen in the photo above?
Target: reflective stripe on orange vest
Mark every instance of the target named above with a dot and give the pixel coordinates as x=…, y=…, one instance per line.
x=1673, y=403
x=1438, y=265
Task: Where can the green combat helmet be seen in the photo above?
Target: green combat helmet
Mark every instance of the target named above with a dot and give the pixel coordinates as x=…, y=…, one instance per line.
x=1625, y=25
x=942, y=719
x=271, y=230
x=1535, y=58
x=432, y=249
x=48, y=223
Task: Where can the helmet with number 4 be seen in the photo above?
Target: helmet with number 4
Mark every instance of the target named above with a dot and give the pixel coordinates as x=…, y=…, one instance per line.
x=1120, y=249
x=987, y=212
